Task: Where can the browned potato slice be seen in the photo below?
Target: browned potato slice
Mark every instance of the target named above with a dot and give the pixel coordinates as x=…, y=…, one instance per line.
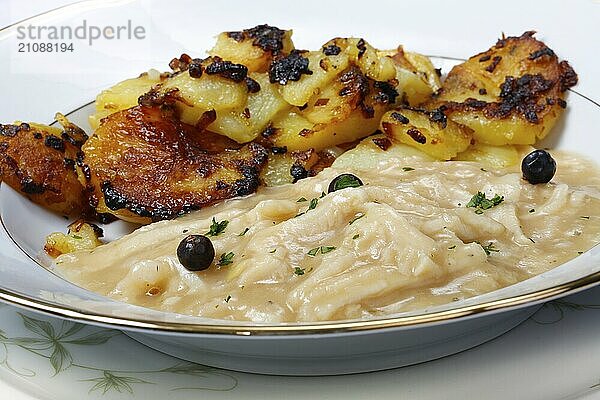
x=372, y=63
x=297, y=133
x=145, y=166
x=417, y=77
x=39, y=162
x=430, y=132
x=354, y=107
x=511, y=94
x=491, y=156
x=253, y=47
x=323, y=70
x=123, y=95
x=247, y=122
x=81, y=236
x=197, y=92
x=289, y=167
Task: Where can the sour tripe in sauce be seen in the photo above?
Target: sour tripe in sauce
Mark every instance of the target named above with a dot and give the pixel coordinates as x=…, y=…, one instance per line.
x=416, y=233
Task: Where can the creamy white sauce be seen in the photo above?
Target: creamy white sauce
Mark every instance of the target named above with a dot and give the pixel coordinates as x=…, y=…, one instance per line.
x=416, y=245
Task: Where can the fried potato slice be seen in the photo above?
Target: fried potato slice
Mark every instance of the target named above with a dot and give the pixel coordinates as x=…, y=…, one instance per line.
x=289, y=167
x=430, y=132
x=254, y=47
x=511, y=94
x=39, y=161
x=123, y=95
x=491, y=156
x=417, y=78
x=355, y=106
x=80, y=236
x=147, y=166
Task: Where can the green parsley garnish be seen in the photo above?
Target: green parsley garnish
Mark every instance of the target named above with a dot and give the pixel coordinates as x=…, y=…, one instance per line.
x=345, y=181
x=216, y=228
x=244, y=232
x=359, y=216
x=323, y=194
x=226, y=259
x=327, y=249
x=580, y=252
x=227, y=299
x=355, y=236
x=301, y=200
x=273, y=251
x=77, y=237
x=314, y=252
x=311, y=206
x=299, y=271
x=585, y=217
x=480, y=202
x=407, y=169
x=489, y=248
x=321, y=249
x=532, y=210
x=452, y=247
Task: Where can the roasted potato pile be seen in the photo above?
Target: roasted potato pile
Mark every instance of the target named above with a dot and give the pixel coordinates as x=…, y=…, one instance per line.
x=256, y=86
x=258, y=111
x=511, y=94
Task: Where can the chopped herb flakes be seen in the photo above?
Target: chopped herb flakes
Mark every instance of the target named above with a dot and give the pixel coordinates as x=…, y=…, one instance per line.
x=311, y=206
x=321, y=249
x=273, y=251
x=226, y=259
x=344, y=181
x=452, y=247
x=301, y=200
x=216, y=228
x=489, y=249
x=585, y=217
x=299, y=271
x=314, y=252
x=355, y=236
x=480, y=202
x=77, y=237
x=580, y=252
x=227, y=299
x=532, y=210
x=244, y=232
x=407, y=169
x=356, y=218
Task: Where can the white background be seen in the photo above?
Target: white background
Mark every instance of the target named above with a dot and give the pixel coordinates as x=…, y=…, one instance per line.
x=12, y=11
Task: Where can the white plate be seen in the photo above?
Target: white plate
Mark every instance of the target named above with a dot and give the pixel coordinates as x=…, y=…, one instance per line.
x=42, y=84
